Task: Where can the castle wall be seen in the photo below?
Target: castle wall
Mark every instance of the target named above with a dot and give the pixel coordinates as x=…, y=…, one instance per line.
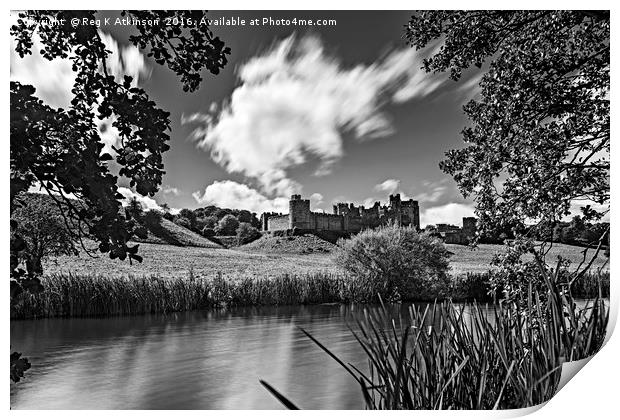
x=278, y=222
x=347, y=218
x=324, y=221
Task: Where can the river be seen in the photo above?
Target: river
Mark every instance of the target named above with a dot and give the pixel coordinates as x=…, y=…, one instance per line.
x=193, y=360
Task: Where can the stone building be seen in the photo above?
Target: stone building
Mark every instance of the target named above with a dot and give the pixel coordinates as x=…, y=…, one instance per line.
x=462, y=236
x=346, y=217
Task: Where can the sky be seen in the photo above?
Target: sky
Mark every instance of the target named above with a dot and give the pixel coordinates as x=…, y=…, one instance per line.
x=335, y=113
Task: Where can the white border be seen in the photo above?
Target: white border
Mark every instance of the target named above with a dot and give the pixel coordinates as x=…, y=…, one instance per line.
x=593, y=392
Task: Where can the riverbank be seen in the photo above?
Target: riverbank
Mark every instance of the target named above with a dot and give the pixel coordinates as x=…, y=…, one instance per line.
x=77, y=295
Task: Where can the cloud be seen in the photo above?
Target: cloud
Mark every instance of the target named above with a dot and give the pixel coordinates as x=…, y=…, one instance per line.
x=295, y=101
x=231, y=194
x=124, y=61
x=452, y=213
x=388, y=186
x=52, y=79
x=147, y=202
x=433, y=192
x=168, y=190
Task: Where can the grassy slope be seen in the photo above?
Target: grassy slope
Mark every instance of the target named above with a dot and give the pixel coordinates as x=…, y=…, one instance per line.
x=172, y=233
x=171, y=261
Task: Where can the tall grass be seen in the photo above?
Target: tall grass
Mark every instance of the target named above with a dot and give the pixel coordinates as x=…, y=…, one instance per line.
x=445, y=357
x=68, y=295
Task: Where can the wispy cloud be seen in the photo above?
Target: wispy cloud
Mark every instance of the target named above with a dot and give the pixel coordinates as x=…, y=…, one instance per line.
x=295, y=101
x=231, y=194
x=388, y=186
x=168, y=190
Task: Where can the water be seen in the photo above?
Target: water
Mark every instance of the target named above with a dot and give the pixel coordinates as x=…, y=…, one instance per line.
x=192, y=360
x=195, y=360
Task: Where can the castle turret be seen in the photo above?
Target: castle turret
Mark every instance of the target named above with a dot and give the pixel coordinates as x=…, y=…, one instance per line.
x=299, y=213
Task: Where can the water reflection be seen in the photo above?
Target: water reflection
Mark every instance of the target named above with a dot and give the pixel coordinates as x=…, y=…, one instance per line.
x=195, y=360
x=198, y=360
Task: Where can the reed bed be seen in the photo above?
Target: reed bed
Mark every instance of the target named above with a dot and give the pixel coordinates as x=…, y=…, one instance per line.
x=71, y=295
x=445, y=357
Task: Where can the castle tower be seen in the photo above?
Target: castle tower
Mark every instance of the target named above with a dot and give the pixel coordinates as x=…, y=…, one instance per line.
x=299, y=213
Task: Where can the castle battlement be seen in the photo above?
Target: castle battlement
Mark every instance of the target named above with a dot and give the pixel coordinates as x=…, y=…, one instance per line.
x=346, y=217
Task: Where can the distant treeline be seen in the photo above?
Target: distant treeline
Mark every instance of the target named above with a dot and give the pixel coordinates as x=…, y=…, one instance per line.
x=576, y=232
x=220, y=221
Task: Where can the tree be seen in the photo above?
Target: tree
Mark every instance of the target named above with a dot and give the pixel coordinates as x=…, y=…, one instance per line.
x=183, y=221
x=41, y=226
x=538, y=139
x=246, y=233
x=539, y=135
x=61, y=149
x=152, y=219
x=227, y=225
x=395, y=262
x=134, y=209
x=208, y=232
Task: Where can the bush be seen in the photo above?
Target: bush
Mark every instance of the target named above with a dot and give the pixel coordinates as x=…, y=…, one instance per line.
x=395, y=262
x=208, y=232
x=227, y=226
x=246, y=233
x=183, y=221
x=152, y=219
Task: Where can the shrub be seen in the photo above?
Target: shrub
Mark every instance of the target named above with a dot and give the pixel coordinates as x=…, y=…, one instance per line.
x=397, y=263
x=227, y=225
x=183, y=221
x=208, y=232
x=152, y=219
x=246, y=233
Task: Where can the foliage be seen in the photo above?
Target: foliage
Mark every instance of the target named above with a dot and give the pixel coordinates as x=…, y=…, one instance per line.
x=41, y=226
x=208, y=232
x=183, y=221
x=18, y=366
x=541, y=126
x=448, y=357
x=152, y=219
x=61, y=149
x=395, y=262
x=134, y=209
x=210, y=216
x=539, y=138
x=246, y=233
x=227, y=225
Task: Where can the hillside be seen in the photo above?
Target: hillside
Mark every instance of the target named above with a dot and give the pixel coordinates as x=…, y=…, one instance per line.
x=173, y=234
x=298, y=244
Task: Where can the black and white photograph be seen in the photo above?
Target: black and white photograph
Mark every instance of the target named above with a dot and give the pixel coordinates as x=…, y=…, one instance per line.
x=306, y=209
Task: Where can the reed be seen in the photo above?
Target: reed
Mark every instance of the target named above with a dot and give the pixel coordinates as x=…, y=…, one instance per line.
x=446, y=357
x=71, y=295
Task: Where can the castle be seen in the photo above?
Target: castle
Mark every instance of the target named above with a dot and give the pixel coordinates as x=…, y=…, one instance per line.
x=346, y=218
x=454, y=235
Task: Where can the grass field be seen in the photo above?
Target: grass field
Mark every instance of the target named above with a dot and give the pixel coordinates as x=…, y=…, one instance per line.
x=168, y=261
